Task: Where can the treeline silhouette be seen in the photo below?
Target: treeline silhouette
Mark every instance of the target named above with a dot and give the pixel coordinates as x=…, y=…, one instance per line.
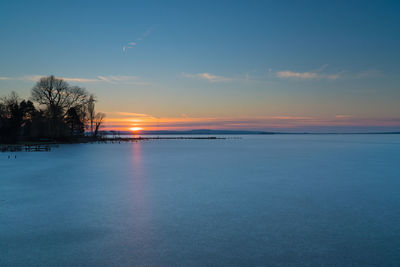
x=56, y=111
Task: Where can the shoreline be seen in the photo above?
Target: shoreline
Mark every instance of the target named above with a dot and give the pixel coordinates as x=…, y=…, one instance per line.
x=46, y=146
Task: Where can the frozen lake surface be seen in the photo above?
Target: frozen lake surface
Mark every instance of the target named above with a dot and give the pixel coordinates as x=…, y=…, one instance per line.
x=281, y=200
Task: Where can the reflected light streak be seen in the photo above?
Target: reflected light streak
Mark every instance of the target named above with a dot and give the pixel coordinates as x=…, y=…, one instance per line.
x=141, y=204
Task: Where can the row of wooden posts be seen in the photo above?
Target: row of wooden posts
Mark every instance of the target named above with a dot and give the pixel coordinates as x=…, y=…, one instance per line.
x=16, y=148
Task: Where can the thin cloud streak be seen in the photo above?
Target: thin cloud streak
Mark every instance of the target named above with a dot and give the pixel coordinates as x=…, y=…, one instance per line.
x=306, y=75
x=130, y=45
x=344, y=116
x=319, y=74
x=206, y=76
x=126, y=120
x=133, y=114
x=115, y=79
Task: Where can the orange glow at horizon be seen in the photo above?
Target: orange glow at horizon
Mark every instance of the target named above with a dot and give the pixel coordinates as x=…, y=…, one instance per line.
x=135, y=129
x=135, y=122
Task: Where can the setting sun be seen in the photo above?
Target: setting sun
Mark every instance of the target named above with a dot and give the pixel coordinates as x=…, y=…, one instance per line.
x=135, y=129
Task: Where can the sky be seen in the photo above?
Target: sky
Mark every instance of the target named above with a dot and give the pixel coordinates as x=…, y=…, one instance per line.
x=288, y=66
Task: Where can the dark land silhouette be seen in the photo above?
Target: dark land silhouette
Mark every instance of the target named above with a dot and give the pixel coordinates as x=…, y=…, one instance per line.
x=55, y=112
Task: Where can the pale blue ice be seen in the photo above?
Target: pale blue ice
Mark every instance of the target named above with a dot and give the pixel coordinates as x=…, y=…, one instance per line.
x=271, y=200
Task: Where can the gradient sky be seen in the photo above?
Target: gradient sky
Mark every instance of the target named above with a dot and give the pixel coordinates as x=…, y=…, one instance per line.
x=321, y=66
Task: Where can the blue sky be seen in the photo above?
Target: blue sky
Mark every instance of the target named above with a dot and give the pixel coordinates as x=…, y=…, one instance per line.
x=226, y=64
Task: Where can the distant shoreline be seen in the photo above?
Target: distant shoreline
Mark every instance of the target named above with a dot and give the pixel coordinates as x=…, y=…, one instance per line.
x=230, y=132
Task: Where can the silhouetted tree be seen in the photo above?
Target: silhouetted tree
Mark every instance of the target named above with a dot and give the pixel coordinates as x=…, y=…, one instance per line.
x=15, y=117
x=63, y=112
x=95, y=119
x=58, y=97
x=91, y=112
x=9, y=118
x=98, y=122
x=74, y=122
x=27, y=113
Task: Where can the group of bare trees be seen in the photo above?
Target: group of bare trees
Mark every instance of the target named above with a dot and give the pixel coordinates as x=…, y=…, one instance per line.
x=55, y=111
x=95, y=119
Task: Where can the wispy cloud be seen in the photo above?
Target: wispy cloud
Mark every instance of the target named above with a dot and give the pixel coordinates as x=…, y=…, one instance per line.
x=121, y=79
x=320, y=73
x=133, y=114
x=131, y=44
x=115, y=79
x=207, y=76
x=145, y=34
x=308, y=75
x=80, y=80
x=21, y=78
x=292, y=74
x=344, y=116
